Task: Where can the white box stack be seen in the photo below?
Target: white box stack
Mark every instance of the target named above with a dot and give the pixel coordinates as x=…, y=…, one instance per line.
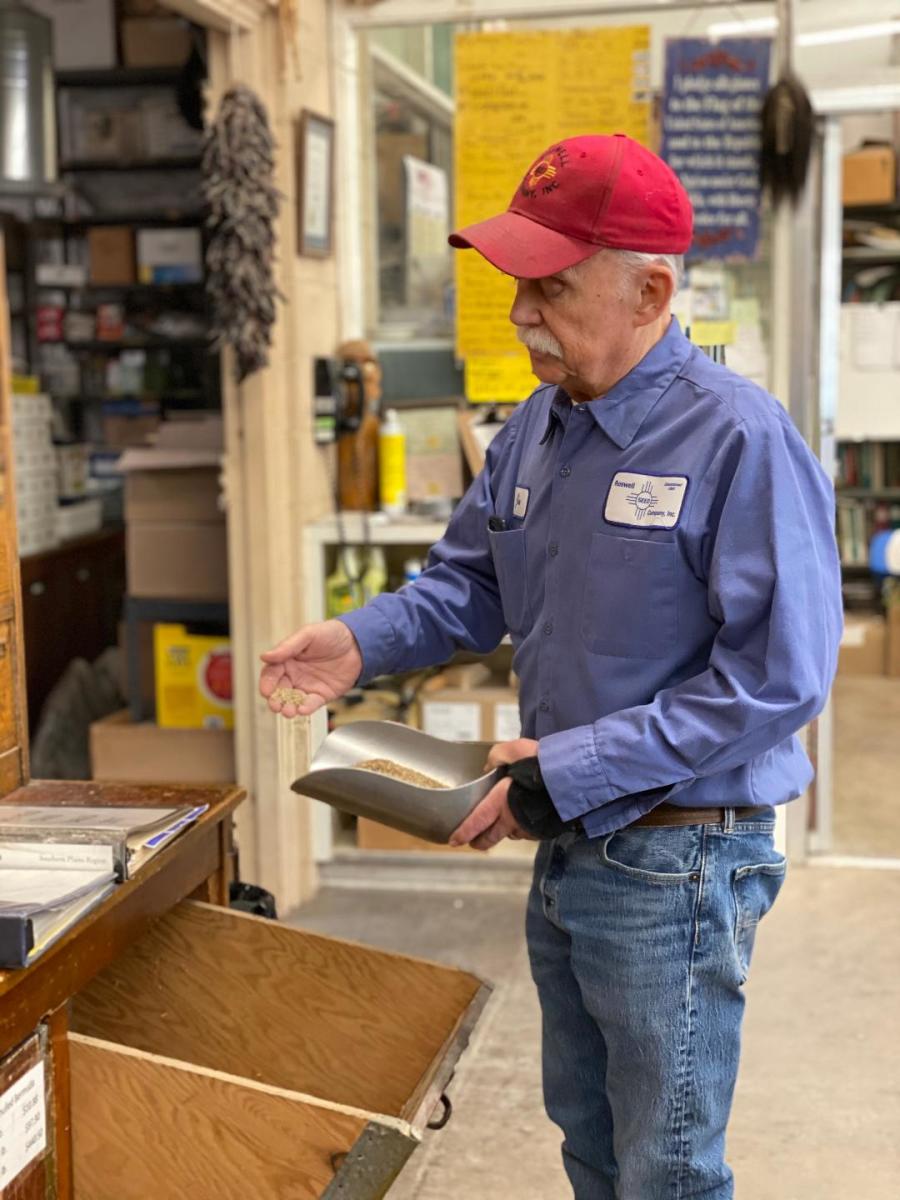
x=36, y=473
x=79, y=518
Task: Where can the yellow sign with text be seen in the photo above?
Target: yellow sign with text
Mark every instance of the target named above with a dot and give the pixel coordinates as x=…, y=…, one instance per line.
x=515, y=94
x=499, y=378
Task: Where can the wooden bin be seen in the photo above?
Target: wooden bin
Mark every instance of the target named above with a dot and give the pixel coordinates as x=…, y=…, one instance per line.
x=225, y=1056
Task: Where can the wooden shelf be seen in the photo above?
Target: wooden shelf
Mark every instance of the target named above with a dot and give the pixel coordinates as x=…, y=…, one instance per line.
x=862, y=211
x=866, y=493
x=382, y=531
x=120, y=77
x=149, y=220
x=121, y=287
x=101, y=347
x=179, y=163
x=870, y=254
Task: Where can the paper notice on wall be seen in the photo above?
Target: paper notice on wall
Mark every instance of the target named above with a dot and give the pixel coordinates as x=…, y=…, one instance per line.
x=874, y=336
x=499, y=377
x=516, y=93
x=457, y=722
x=316, y=184
x=427, y=227
x=507, y=724
x=712, y=98
x=23, y=1124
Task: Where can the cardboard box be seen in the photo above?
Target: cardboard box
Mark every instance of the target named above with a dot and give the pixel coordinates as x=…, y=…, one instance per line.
x=190, y=494
x=893, y=638
x=480, y=714
x=193, y=679
x=870, y=176
x=128, y=423
x=111, y=252
x=155, y=42
x=166, y=134
x=144, y=753
x=863, y=646
x=177, y=560
x=370, y=835
x=433, y=454
x=84, y=32
x=170, y=255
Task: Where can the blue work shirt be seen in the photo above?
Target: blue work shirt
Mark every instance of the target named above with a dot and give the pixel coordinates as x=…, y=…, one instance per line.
x=670, y=580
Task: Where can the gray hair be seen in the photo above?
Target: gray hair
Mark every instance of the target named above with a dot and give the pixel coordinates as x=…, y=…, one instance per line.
x=638, y=258
x=633, y=260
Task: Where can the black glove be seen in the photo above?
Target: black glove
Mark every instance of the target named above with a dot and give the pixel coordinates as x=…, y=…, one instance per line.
x=530, y=803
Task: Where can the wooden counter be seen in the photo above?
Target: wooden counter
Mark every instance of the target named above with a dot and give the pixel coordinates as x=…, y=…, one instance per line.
x=198, y=862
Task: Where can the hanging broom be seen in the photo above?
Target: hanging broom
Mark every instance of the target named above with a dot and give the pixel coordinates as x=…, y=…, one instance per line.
x=787, y=121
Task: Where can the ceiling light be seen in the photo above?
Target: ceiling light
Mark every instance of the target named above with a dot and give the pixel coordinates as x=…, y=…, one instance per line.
x=720, y=29
x=850, y=33
x=815, y=37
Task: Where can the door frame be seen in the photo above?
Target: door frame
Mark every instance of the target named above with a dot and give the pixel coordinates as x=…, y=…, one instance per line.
x=830, y=105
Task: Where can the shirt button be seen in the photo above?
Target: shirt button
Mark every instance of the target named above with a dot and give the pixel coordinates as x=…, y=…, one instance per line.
x=553, y=549
x=548, y=628
x=565, y=472
x=544, y=706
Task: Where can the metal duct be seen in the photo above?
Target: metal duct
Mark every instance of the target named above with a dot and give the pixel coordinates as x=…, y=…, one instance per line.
x=27, y=121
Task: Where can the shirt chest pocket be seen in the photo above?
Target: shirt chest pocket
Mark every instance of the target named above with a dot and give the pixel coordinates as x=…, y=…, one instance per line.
x=630, y=606
x=508, y=552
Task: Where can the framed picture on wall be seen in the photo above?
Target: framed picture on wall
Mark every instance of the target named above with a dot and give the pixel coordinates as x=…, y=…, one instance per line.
x=314, y=149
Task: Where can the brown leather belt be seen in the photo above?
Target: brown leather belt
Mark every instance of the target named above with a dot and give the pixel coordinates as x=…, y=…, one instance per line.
x=671, y=814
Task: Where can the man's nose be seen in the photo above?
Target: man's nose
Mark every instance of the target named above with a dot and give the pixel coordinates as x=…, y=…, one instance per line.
x=524, y=310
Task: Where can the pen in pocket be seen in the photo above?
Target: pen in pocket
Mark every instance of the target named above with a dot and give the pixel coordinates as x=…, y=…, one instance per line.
x=496, y=524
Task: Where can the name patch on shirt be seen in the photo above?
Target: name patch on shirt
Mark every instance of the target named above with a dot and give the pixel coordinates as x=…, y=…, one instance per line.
x=520, y=501
x=645, y=501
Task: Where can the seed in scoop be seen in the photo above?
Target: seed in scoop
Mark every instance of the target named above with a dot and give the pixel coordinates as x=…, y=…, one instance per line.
x=384, y=766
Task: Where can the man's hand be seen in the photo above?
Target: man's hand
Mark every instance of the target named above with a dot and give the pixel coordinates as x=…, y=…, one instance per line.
x=490, y=822
x=509, y=752
x=322, y=661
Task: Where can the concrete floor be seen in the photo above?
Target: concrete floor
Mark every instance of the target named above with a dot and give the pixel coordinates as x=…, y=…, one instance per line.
x=867, y=766
x=818, y=1103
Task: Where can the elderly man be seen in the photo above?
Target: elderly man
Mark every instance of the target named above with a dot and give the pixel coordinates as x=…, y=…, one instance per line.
x=658, y=540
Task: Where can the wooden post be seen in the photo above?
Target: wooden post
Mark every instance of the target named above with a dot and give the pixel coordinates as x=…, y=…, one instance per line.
x=276, y=478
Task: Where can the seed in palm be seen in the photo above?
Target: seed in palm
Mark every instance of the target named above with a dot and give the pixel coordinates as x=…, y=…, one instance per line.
x=289, y=696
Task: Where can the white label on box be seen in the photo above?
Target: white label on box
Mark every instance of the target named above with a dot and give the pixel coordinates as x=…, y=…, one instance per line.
x=854, y=635
x=507, y=724
x=23, y=1124
x=459, y=722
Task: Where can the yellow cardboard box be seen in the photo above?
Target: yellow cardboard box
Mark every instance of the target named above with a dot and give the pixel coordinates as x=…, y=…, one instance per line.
x=193, y=679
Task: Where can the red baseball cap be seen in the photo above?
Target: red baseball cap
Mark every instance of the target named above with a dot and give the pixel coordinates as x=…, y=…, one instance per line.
x=583, y=195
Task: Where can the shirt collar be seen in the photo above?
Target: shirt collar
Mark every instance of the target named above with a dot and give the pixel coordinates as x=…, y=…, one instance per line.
x=622, y=411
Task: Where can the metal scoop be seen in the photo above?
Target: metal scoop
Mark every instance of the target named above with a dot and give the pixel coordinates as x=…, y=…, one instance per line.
x=430, y=813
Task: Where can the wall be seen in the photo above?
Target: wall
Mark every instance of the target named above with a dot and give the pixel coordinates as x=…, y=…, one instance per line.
x=276, y=479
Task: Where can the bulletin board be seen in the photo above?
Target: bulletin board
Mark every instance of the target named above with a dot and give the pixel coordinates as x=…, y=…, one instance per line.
x=515, y=94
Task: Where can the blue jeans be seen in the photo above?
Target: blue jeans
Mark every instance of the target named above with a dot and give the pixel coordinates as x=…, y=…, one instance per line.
x=640, y=942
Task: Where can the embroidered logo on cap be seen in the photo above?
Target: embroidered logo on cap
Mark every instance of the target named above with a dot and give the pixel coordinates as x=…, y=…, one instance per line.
x=543, y=178
x=645, y=501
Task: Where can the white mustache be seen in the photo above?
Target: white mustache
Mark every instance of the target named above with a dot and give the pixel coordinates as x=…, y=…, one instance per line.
x=539, y=340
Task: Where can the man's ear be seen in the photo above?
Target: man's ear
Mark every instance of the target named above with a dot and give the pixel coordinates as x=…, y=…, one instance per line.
x=657, y=290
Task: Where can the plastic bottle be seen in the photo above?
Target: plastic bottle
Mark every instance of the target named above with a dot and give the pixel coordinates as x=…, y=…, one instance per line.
x=342, y=589
x=392, y=465
x=412, y=569
x=375, y=577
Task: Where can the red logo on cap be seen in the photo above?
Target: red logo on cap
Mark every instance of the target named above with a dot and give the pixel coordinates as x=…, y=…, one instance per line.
x=543, y=179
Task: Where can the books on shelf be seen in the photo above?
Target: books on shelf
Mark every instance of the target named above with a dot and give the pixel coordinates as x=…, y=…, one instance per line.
x=858, y=520
x=872, y=465
x=85, y=838
x=38, y=906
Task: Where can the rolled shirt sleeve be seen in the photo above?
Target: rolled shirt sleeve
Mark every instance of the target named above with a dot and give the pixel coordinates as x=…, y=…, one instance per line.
x=769, y=557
